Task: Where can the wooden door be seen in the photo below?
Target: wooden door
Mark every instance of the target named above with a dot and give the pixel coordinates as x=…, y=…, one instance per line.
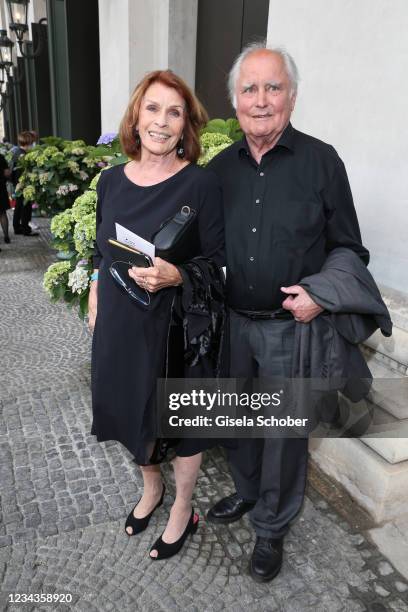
x=224, y=27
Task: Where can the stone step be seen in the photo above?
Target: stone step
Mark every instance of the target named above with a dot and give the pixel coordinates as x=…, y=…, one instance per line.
x=393, y=450
x=391, y=352
x=389, y=390
x=375, y=427
x=397, y=304
x=374, y=468
x=379, y=486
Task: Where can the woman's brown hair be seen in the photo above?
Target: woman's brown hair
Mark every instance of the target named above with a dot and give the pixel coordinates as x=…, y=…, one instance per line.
x=195, y=115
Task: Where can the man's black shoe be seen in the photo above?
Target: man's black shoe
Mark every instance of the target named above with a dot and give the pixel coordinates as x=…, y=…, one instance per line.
x=18, y=231
x=31, y=233
x=266, y=560
x=229, y=509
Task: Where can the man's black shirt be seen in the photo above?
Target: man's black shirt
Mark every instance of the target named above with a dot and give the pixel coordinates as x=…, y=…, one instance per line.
x=283, y=216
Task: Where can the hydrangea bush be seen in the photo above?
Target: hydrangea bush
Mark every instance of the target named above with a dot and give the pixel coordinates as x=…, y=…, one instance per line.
x=74, y=229
x=212, y=144
x=56, y=172
x=74, y=232
x=5, y=150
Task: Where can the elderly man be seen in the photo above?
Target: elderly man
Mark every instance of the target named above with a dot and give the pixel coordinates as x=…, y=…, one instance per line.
x=287, y=204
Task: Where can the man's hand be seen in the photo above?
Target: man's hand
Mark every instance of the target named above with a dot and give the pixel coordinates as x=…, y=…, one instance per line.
x=301, y=305
x=162, y=274
x=92, y=305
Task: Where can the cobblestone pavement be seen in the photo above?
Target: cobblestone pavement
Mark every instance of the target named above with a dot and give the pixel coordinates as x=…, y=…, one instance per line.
x=64, y=497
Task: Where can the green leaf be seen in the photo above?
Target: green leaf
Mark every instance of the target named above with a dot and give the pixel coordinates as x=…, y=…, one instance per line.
x=116, y=161
x=60, y=292
x=217, y=125
x=52, y=141
x=230, y=127
x=69, y=297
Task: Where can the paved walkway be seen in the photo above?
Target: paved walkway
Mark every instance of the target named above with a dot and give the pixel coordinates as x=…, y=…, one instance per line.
x=64, y=497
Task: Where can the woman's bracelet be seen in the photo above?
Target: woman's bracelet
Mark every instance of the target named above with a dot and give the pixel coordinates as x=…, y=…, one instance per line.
x=94, y=276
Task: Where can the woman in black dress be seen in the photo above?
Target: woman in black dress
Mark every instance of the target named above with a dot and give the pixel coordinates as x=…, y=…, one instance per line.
x=160, y=133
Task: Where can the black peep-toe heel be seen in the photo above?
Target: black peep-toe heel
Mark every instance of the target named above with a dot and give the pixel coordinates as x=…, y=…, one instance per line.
x=139, y=524
x=164, y=550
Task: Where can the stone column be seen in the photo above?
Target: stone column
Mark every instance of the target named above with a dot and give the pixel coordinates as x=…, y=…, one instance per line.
x=138, y=36
x=3, y=15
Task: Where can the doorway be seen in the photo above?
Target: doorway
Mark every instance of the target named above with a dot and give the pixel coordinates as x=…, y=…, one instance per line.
x=224, y=27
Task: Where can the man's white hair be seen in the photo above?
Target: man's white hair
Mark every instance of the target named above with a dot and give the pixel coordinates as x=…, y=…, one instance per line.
x=290, y=65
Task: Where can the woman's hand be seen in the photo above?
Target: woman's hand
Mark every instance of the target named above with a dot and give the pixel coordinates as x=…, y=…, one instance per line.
x=162, y=274
x=92, y=305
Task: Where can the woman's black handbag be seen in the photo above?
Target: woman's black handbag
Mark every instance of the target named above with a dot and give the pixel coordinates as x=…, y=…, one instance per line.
x=177, y=239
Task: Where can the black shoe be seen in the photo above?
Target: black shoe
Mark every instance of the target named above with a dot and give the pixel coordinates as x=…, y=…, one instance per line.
x=30, y=233
x=229, y=509
x=7, y=239
x=165, y=550
x=266, y=560
x=139, y=524
x=18, y=231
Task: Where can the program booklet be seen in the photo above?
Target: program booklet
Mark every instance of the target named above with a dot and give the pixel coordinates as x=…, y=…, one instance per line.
x=131, y=249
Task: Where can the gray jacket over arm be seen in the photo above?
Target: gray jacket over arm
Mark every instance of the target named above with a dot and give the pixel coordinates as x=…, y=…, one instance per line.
x=327, y=347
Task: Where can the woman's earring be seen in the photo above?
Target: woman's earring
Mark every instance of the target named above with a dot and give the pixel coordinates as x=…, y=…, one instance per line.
x=180, y=148
x=136, y=136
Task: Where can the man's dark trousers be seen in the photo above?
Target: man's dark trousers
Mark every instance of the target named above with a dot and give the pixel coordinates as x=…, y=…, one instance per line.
x=271, y=471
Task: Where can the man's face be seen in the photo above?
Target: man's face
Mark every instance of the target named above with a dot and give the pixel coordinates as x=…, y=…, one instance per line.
x=263, y=95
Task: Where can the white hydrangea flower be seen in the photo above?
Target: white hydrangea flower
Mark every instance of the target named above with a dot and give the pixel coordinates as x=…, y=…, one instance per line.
x=62, y=190
x=78, y=280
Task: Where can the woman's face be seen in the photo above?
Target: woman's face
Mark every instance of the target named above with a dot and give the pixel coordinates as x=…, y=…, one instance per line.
x=161, y=119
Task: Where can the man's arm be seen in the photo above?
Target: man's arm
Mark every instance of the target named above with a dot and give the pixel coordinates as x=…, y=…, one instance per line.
x=342, y=229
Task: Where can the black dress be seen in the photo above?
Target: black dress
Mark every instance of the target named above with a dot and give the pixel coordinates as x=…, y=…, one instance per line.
x=4, y=197
x=130, y=343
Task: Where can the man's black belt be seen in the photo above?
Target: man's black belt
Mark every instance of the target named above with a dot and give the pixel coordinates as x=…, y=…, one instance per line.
x=255, y=315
